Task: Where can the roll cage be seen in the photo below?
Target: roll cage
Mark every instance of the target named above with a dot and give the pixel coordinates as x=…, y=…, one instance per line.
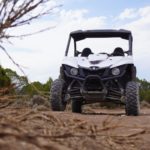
x=81, y=35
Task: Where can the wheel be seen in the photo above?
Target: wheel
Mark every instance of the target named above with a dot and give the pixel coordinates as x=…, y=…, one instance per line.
x=132, y=104
x=57, y=95
x=77, y=106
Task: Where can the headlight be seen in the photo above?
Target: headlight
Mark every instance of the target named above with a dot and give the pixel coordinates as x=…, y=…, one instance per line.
x=74, y=71
x=115, y=71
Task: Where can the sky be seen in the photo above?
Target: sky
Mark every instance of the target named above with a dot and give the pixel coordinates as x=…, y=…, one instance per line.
x=41, y=55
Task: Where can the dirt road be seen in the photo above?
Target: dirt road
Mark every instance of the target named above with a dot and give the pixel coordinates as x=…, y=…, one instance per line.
x=40, y=128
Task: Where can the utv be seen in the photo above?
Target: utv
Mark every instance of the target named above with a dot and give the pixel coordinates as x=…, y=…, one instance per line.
x=87, y=77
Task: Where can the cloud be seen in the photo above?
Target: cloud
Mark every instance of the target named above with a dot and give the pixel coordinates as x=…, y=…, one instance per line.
x=144, y=11
x=140, y=28
x=42, y=54
x=132, y=13
x=78, y=19
x=128, y=13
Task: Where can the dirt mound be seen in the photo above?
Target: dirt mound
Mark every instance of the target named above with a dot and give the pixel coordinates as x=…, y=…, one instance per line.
x=37, y=127
x=34, y=129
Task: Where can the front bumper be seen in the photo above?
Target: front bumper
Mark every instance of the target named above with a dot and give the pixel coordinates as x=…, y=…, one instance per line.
x=93, y=89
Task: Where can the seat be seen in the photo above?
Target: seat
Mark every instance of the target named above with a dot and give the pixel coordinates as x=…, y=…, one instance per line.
x=86, y=52
x=118, y=51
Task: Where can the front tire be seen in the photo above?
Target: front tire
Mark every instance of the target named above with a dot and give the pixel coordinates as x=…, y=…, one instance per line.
x=132, y=104
x=57, y=95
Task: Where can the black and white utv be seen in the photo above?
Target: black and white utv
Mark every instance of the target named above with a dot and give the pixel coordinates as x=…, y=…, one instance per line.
x=97, y=67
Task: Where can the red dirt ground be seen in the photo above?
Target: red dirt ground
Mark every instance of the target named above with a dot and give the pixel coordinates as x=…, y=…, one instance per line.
x=41, y=129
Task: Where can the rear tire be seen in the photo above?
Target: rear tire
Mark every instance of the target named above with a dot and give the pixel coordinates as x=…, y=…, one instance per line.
x=57, y=95
x=132, y=103
x=77, y=106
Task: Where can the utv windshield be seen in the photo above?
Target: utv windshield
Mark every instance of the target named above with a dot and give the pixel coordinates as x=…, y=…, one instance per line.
x=99, y=41
x=98, y=45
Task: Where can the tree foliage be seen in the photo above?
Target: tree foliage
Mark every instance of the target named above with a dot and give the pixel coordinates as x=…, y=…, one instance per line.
x=21, y=84
x=35, y=87
x=17, y=80
x=144, y=90
x=4, y=79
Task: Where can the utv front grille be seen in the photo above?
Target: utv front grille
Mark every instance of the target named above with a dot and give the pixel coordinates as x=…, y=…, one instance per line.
x=93, y=83
x=86, y=72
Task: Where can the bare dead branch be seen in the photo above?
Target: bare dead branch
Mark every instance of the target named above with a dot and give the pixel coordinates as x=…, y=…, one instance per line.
x=15, y=13
x=33, y=33
x=5, y=51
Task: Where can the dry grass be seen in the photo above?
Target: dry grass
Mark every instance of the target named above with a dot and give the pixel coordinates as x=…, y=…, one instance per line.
x=28, y=123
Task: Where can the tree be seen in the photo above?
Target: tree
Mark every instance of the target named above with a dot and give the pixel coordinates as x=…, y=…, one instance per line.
x=40, y=87
x=4, y=79
x=18, y=81
x=144, y=90
x=47, y=85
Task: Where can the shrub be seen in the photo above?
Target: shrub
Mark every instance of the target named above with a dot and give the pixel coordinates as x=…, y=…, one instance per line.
x=4, y=79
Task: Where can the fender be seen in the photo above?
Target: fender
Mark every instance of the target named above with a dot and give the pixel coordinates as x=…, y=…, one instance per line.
x=70, y=61
x=125, y=60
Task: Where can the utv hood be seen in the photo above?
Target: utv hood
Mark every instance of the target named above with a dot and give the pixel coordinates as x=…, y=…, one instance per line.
x=99, y=60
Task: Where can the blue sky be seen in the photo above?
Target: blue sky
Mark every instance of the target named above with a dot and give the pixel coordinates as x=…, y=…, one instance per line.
x=104, y=7
x=42, y=54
